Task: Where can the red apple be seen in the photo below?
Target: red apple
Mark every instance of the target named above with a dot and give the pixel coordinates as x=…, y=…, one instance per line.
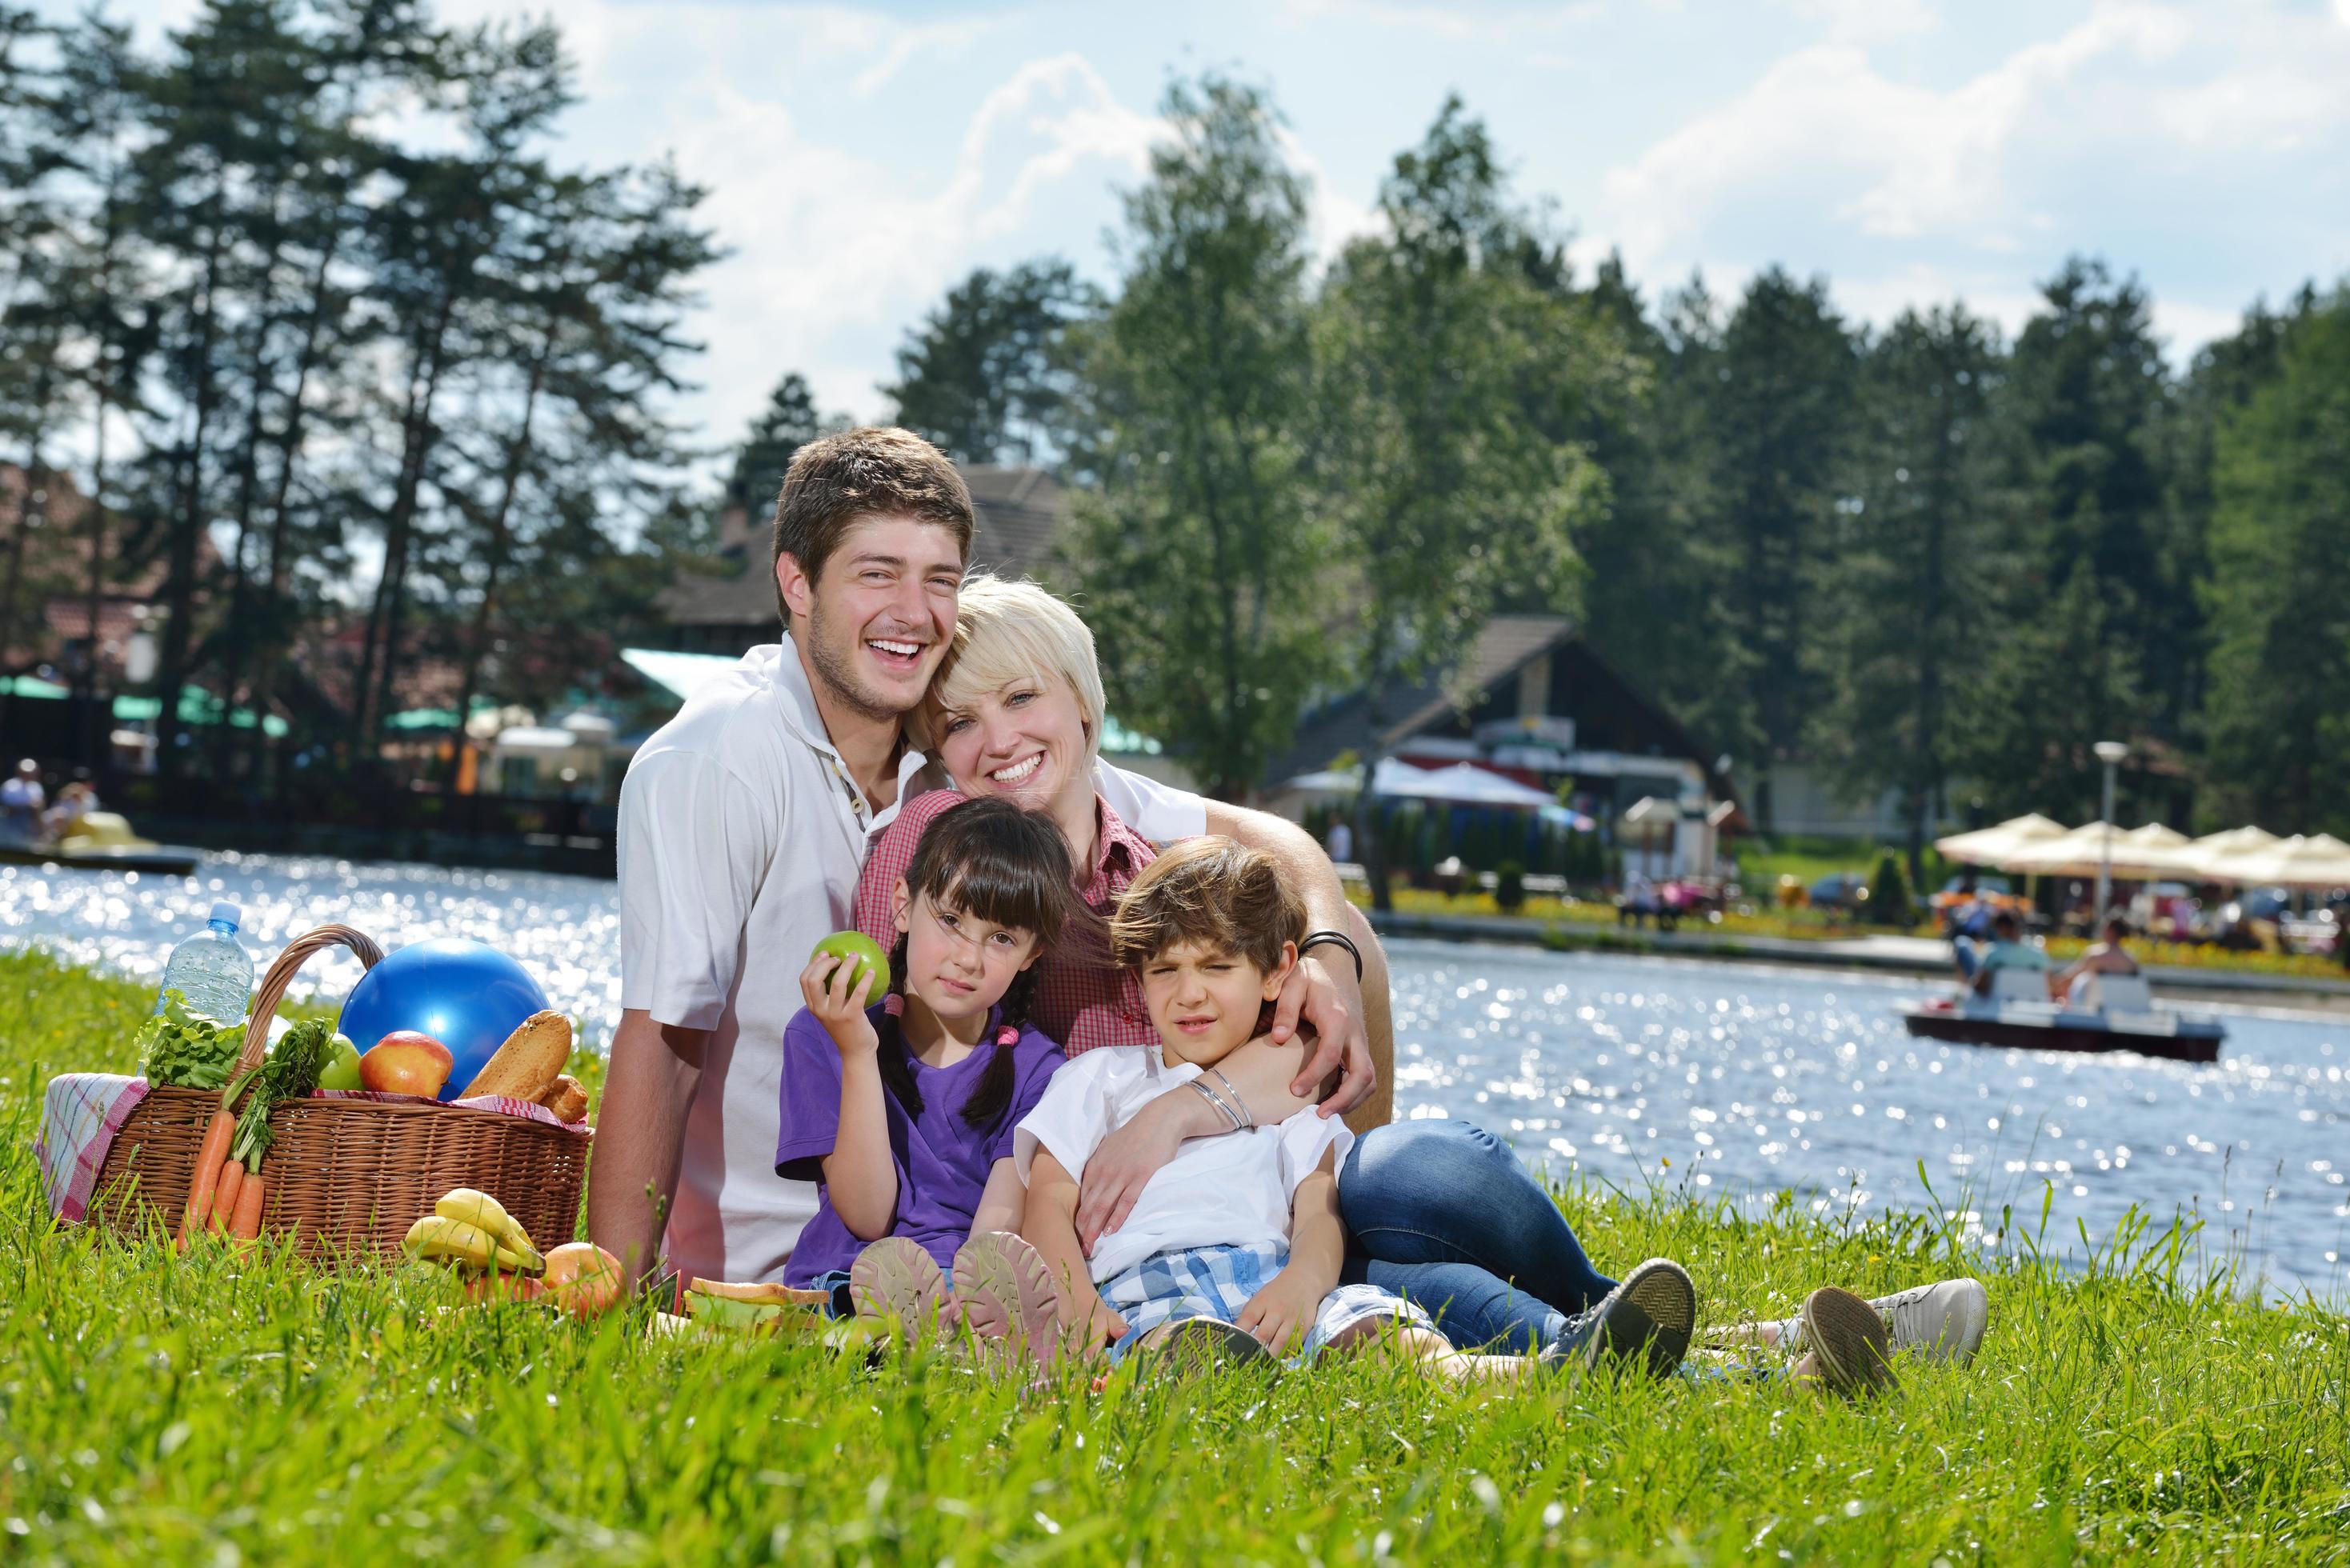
x=581, y=1278
x=405, y=1062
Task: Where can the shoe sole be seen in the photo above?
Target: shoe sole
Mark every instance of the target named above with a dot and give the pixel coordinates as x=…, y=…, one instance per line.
x=1652, y=1313
x=895, y=1281
x=1007, y=1296
x=1198, y=1345
x=1849, y=1340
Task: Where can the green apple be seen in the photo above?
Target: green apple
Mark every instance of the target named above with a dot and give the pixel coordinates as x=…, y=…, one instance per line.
x=342, y=1068
x=858, y=949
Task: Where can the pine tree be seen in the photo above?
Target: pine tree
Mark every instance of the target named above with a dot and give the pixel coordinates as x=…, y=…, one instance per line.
x=787, y=423
x=985, y=375
x=2278, y=713
x=1780, y=407
x=1905, y=590
x=1437, y=357
x=1201, y=552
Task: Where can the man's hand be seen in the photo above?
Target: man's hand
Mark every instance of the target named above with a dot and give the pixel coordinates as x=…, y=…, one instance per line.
x=839, y=1007
x=1329, y=997
x=1116, y=1172
x=1280, y=1314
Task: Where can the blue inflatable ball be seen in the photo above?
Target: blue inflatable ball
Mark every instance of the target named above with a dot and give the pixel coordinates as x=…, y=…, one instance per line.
x=466, y=994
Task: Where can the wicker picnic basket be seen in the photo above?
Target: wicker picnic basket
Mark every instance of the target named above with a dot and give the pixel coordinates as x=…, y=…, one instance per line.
x=346, y=1176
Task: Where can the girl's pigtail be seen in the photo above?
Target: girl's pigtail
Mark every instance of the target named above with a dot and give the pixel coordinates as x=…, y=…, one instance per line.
x=992, y=1095
x=897, y=1067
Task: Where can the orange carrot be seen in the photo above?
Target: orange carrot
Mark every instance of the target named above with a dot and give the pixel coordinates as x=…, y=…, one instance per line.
x=224, y=1200
x=209, y=1159
x=246, y=1225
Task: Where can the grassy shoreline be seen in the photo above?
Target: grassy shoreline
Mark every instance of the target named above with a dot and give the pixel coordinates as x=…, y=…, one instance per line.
x=225, y=1408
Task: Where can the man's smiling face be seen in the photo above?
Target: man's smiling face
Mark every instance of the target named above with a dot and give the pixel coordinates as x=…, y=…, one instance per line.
x=877, y=624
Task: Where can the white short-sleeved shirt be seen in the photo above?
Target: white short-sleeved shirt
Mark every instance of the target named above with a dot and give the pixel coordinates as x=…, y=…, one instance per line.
x=1232, y=1190
x=740, y=837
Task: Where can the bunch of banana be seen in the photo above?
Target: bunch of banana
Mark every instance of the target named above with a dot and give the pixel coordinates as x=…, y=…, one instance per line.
x=472, y=1229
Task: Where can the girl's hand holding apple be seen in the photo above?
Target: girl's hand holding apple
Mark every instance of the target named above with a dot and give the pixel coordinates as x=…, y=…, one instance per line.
x=837, y=991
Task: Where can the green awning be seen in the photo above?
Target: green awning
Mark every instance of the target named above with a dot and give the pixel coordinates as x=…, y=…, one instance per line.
x=434, y=717
x=197, y=707
x=34, y=686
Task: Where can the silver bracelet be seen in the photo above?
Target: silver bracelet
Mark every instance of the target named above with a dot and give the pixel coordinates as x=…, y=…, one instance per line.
x=1209, y=1095
x=1248, y=1117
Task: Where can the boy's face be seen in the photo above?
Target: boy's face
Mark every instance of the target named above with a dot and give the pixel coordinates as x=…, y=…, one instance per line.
x=1205, y=1002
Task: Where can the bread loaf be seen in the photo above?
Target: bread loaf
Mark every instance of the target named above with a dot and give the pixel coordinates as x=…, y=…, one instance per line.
x=527, y=1065
x=566, y=1098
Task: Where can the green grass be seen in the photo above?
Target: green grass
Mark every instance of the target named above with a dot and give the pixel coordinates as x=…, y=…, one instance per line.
x=223, y=1408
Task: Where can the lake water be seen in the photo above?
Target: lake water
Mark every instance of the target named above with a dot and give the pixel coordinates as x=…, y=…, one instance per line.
x=1738, y=1081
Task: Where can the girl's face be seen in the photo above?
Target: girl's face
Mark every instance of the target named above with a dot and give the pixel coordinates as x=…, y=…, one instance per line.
x=1027, y=742
x=959, y=964
x=1204, y=1002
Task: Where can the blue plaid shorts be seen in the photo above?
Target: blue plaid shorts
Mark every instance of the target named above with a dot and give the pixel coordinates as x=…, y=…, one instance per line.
x=1217, y=1282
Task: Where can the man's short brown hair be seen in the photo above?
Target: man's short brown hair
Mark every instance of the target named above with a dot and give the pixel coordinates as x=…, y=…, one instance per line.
x=837, y=478
x=1225, y=897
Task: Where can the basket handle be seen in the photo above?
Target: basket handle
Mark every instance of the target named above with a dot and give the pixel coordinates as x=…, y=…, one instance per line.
x=281, y=975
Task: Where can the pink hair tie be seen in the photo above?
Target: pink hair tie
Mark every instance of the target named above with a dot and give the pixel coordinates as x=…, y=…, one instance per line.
x=1007, y=1036
x=894, y=1005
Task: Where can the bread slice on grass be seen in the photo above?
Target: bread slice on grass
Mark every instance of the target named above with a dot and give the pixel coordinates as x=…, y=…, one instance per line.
x=526, y=1065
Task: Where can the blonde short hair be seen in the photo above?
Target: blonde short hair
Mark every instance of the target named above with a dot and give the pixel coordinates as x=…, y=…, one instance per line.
x=1008, y=631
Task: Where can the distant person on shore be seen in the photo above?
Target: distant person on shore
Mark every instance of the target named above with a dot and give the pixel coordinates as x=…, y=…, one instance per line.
x=21, y=800
x=2007, y=949
x=1340, y=842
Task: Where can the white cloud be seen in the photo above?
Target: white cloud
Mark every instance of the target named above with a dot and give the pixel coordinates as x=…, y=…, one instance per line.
x=834, y=247
x=1457, y=22
x=1867, y=21
x=1907, y=159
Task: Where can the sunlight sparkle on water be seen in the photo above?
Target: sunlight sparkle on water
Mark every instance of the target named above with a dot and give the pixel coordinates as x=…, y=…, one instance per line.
x=1747, y=1080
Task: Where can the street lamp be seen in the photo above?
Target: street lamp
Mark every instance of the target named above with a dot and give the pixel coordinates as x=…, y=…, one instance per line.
x=2111, y=754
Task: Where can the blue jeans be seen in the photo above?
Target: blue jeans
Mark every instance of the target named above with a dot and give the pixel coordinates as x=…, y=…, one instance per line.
x=1444, y=1215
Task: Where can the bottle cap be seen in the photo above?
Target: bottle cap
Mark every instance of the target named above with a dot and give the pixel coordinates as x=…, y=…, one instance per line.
x=225, y=910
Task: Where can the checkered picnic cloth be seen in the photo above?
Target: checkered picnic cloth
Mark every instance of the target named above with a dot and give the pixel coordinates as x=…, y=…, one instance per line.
x=81, y=1112
x=1217, y=1282
x=1083, y=1000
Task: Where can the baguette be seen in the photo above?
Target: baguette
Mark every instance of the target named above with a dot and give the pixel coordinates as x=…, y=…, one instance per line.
x=566, y=1098
x=526, y=1065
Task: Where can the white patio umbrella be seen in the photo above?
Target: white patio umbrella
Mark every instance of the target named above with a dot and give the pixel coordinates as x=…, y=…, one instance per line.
x=2210, y=857
x=2236, y=841
x=2081, y=852
x=1988, y=846
x=1463, y=784
x=2320, y=861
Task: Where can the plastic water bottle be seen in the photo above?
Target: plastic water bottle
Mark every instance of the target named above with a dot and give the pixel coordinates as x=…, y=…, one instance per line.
x=211, y=969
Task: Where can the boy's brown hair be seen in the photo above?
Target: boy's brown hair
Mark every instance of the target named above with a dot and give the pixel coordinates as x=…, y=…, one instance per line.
x=837, y=478
x=1221, y=895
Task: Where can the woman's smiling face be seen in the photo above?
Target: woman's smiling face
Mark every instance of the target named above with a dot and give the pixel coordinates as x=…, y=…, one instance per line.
x=1027, y=741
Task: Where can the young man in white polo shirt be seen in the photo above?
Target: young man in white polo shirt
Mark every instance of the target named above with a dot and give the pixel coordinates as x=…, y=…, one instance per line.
x=744, y=824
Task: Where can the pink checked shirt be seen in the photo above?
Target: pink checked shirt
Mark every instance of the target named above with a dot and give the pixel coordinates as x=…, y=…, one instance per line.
x=1082, y=999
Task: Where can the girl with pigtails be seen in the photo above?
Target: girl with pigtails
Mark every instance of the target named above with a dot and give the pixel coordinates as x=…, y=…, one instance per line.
x=902, y=1109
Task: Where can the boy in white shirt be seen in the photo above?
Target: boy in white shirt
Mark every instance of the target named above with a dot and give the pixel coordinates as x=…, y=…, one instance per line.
x=1236, y=1245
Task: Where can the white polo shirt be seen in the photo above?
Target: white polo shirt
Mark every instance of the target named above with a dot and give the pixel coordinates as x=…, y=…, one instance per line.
x=741, y=838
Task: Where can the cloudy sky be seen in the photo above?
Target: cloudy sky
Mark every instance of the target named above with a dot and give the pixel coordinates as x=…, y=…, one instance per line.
x=862, y=160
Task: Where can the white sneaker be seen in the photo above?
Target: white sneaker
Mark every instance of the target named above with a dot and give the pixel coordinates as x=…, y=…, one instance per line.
x=1942, y=1322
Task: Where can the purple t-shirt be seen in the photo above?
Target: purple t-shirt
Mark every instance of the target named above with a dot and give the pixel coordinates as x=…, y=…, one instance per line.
x=943, y=1160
